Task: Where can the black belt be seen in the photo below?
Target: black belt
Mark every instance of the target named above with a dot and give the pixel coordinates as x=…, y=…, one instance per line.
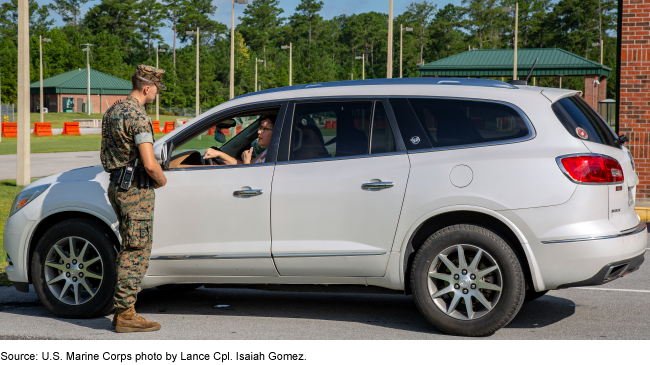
x=140, y=177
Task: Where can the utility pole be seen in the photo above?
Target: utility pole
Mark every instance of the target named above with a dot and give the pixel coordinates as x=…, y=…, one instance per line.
x=508, y=9
x=192, y=32
x=290, y=48
x=256, y=62
x=232, y=47
x=389, y=62
x=40, y=54
x=401, y=46
x=23, y=165
x=163, y=50
x=87, y=50
x=363, y=65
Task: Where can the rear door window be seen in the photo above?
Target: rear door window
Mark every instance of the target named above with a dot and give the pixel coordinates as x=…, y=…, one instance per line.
x=459, y=122
x=581, y=121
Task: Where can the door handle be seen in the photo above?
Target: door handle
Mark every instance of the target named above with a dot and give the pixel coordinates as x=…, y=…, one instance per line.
x=252, y=192
x=377, y=185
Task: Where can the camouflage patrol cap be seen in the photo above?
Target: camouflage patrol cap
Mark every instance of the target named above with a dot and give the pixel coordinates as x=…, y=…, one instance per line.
x=152, y=74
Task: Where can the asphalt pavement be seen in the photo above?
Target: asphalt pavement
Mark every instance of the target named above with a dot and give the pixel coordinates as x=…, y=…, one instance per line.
x=617, y=310
x=45, y=164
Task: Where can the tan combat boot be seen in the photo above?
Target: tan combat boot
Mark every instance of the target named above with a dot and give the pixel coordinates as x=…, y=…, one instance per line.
x=127, y=320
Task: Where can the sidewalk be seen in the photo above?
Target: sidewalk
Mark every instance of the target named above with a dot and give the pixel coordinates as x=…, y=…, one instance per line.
x=45, y=164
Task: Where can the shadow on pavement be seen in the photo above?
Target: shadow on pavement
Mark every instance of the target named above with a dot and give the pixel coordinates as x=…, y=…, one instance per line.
x=542, y=312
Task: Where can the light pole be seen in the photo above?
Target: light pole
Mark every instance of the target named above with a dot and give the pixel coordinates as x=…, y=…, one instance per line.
x=363, y=65
x=508, y=9
x=389, y=62
x=23, y=168
x=192, y=32
x=158, y=50
x=87, y=50
x=256, y=62
x=232, y=47
x=401, y=46
x=40, y=54
x=290, y=48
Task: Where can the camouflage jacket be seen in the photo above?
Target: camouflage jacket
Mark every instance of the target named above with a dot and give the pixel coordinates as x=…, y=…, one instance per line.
x=124, y=126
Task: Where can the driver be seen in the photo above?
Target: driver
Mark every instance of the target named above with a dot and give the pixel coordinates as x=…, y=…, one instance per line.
x=263, y=138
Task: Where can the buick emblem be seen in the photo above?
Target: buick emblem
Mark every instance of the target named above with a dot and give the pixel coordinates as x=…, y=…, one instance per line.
x=582, y=133
x=415, y=139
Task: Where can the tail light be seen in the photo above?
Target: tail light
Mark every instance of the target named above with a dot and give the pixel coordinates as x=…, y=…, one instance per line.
x=591, y=169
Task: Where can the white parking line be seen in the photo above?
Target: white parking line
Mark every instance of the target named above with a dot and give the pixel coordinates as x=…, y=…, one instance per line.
x=629, y=290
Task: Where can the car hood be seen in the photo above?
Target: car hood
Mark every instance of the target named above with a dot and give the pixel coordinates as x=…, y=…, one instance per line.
x=90, y=173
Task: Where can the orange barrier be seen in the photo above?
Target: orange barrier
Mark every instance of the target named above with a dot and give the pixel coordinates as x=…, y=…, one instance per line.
x=225, y=131
x=42, y=129
x=169, y=126
x=156, y=126
x=238, y=130
x=330, y=124
x=185, y=121
x=9, y=130
x=211, y=131
x=71, y=129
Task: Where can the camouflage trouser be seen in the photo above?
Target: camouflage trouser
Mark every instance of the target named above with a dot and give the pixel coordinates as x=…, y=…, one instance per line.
x=134, y=210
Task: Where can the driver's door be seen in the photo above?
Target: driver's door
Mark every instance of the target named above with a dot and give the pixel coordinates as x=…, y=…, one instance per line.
x=205, y=226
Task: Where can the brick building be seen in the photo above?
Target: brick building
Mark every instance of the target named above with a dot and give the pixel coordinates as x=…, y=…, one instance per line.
x=634, y=94
x=67, y=92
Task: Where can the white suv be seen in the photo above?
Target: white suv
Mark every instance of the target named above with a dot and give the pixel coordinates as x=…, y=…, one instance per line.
x=473, y=195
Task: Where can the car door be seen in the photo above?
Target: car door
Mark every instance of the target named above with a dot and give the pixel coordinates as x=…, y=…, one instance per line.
x=214, y=220
x=338, y=192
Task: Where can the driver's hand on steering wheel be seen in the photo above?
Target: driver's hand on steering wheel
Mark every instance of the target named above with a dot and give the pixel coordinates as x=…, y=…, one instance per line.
x=211, y=153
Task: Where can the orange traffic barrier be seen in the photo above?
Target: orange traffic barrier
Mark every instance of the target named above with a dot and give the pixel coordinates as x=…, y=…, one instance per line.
x=211, y=131
x=185, y=121
x=42, y=129
x=156, y=126
x=225, y=131
x=238, y=130
x=9, y=130
x=169, y=126
x=71, y=129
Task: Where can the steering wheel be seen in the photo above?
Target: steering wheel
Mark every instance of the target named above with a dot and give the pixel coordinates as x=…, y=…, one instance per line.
x=212, y=161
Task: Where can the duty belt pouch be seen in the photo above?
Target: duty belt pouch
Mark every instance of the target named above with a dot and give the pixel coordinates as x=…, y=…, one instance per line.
x=143, y=178
x=127, y=177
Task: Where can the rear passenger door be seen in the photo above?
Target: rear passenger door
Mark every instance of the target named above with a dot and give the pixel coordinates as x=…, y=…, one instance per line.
x=337, y=190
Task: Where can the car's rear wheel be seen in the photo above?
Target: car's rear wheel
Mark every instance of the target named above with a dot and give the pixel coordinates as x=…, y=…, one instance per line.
x=467, y=281
x=73, y=269
x=531, y=294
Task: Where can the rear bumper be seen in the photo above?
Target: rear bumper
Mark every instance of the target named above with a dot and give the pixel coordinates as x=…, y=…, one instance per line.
x=610, y=272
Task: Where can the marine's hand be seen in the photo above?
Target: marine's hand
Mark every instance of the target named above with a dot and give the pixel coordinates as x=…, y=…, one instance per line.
x=246, y=156
x=164, y=182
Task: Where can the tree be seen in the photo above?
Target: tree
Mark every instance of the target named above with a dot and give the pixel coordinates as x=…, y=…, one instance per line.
x=483, y=20
x=39, y=23
x=173, y=14
x=151, y=16
x=420, y=14
x=69, y=10
x=196, y=14
x=444, y=33
x=118, y=18
x=260, y=25
x=307, y=15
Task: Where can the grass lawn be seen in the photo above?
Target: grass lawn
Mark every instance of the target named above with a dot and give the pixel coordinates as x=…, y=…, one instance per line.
x=58, y=143
x=8, y=191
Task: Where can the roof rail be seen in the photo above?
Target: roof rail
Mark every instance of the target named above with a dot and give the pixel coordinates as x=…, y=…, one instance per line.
x=387, y=82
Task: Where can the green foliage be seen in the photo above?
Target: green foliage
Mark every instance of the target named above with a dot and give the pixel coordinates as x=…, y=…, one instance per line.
x=126, y=33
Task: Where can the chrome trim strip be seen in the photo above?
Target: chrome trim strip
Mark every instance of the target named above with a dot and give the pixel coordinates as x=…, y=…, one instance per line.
x=328, y=254
x=342, y=158
x=219, y=167
x=558, y=161
x=640, y=228
x=209, y=257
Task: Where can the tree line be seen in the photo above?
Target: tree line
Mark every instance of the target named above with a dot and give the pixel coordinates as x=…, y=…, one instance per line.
x=126, y=33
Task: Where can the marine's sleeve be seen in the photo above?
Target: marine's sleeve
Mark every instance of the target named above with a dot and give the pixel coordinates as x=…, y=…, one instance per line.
x=141, y=129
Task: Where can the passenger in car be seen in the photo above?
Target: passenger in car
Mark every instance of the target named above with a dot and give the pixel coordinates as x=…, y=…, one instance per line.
x=267, y=123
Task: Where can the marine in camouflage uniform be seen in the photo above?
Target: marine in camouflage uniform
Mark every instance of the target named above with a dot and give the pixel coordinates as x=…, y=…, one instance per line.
x=125, y=126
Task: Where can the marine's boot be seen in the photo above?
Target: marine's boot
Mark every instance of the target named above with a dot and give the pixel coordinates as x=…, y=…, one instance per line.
x=127, y=320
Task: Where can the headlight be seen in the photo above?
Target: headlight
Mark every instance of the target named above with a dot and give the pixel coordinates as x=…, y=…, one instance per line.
x=25, y=196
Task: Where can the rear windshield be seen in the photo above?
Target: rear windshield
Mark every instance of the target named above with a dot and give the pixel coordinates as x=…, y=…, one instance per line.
x=581, y=121
x=457, y=122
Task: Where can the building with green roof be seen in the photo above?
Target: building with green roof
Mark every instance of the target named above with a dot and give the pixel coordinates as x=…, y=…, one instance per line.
x=67, y=92
x=552, y=62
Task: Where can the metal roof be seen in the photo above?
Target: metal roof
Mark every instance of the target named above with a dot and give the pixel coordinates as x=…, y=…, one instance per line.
x=499, y=62
x=76, y=81
x=389, y=82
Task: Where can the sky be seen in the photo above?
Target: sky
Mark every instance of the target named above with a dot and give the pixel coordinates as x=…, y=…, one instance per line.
x=331, y=9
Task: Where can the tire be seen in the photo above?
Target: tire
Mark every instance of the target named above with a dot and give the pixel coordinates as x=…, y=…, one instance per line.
x=435, y=286
x=92, y=268
x=531, y=294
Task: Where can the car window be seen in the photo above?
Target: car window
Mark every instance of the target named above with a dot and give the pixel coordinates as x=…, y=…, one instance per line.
x=581, y=121
x=457, y=122
x=382, y=140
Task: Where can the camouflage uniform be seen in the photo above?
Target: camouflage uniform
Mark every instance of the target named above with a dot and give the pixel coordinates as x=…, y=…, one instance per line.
x=125, y=126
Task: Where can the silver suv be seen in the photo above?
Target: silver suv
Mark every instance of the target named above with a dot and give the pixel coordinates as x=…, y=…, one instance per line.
x=473, y=195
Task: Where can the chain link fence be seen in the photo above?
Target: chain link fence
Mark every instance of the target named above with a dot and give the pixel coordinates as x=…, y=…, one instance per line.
x=7, y=113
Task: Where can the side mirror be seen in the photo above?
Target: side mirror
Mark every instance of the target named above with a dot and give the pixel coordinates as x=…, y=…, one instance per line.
x=219, y=136
x=160, y=152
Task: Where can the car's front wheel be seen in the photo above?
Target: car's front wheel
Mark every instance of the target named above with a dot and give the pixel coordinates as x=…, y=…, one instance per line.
x=467, y=281
x=73, y=269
